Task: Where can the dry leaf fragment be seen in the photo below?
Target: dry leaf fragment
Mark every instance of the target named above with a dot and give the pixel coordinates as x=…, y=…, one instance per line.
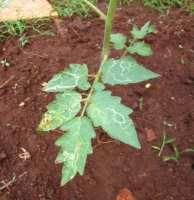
x=25, y=155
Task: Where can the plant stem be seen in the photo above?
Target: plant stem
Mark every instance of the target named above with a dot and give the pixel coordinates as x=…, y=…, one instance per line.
x=105, y=49
x=95, y=9
x=108, y=29
x=128, y=47
x=163, y=143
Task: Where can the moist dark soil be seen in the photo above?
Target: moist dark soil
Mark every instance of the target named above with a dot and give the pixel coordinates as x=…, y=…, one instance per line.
x=168, y=105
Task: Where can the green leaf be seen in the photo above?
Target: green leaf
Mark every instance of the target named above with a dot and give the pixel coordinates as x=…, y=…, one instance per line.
x=189, y=150
x=75, y=145
x=170, y=141
x=176, y=151
x=107, y=111
x=151, y=29
x=99, y=86
x=118, y=40
x=167, y=124
x=135, y=32
x=156, y=148
x=65, y=107
x=167, y=158
x=124, y=71
x=140, y=48
x=85, y=86
x=72, y=77
x=145, y=29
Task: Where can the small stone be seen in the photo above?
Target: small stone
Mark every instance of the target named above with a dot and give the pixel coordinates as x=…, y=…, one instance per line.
x=2, y=156
x=125, y=194
x=40, y=108
x=117, y=142
x=150, y=135
x=135, y=106
x=190, y=140
x=126, y=169
x=130, y=94
x=33, y=108
x=171, y=69
x=189, y=82
x=15, y=100
x=170, y=171
x=73, y=198
x=34, y=136
x=22, y=104
x=88, y=24
x=92, y=182
x=148, y=85
x=23, y=128
x=44, y=84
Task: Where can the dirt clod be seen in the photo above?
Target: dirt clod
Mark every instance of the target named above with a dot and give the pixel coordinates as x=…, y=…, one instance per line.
x=125, y=194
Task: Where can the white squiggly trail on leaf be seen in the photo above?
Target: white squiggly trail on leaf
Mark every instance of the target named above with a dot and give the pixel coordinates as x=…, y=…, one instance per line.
x=64, y=108
x=108, y=112
x=75, y=76
x=75, y=145
x=125, y=71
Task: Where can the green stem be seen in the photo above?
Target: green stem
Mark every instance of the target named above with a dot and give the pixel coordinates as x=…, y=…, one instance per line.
x=159, y=154
x=105, y=49
x=128, y=47
x=124, y=52
x=163, y=143
x=95, y=9
x=108, y=29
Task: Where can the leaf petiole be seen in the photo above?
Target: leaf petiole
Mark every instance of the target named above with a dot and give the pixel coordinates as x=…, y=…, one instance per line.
x=132, y=42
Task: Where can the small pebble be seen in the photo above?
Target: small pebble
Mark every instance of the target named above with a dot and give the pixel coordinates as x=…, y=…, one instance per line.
x=33, y=108
x=126, y=169
x=2, y=156
x=189, y=82
x=171, y=69
x=117, y=142
x=92, y=182
x=135, y=106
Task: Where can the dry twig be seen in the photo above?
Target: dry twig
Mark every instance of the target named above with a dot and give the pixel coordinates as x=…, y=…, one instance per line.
x=6, y=185
x=6, y=82
x=34, y=54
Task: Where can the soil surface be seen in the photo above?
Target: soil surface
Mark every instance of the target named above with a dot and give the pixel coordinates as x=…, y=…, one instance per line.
x=113, y=165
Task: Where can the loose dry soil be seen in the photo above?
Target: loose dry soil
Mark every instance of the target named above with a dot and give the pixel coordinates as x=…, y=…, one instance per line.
x=113, y=165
